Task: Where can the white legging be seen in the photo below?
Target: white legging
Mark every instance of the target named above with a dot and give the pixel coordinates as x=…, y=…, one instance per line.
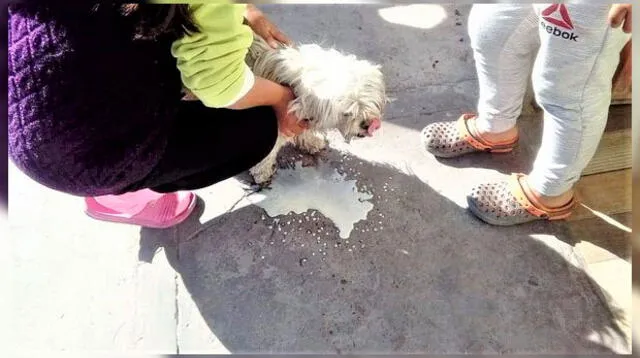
x=574, y=54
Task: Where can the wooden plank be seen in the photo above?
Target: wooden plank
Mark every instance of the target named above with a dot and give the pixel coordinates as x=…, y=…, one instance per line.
x=621, y=101
x=619, y=118
x=603, y=194
x=613, y=153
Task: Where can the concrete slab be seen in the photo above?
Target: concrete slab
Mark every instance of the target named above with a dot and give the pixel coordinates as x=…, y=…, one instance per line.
x=77, y=284
x=419, y=275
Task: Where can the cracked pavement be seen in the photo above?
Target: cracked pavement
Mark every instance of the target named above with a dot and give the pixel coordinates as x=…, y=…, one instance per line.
x=420, y=275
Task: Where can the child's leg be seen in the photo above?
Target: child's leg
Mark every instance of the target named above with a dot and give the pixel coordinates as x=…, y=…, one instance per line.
x=504, y=43
x=572, y=76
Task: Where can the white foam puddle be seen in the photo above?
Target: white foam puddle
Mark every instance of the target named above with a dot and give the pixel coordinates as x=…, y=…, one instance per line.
x=319, y=188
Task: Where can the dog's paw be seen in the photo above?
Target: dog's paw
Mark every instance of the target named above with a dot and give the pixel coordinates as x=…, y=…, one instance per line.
x=262, y=177
x=257, y=188
x=317, y=149
x=311, y=144
x=309, y=161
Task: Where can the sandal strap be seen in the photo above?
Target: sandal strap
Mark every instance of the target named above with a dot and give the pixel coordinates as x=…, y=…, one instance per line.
x=537, y=210
x=478, y=142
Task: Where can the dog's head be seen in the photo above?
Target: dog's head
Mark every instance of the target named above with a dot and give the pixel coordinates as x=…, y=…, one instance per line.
x=363, y=105
x=337, y=91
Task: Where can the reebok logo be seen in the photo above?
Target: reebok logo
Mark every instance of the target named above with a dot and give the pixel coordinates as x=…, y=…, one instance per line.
x=558, y=15
x=559, y=33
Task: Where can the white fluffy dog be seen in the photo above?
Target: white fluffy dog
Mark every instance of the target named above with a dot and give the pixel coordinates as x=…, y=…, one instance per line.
x=333, y=91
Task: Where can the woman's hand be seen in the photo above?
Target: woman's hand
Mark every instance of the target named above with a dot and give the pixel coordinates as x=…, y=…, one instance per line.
x=620, y=13
x=288, y=124
x=262, y=26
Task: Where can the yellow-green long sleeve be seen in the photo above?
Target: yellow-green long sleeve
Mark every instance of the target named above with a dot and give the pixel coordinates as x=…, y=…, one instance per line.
x=212, y=62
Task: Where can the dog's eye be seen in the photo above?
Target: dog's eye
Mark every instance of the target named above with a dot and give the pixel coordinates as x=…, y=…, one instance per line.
x=346, y=114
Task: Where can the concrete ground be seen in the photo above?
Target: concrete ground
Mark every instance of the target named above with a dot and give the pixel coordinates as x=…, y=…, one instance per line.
x=418, y=275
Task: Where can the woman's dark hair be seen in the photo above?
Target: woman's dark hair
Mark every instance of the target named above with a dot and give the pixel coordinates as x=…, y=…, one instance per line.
x=150, y=20
x=153, y=20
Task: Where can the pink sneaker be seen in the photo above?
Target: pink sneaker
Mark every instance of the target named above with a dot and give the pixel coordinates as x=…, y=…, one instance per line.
x=144, y=208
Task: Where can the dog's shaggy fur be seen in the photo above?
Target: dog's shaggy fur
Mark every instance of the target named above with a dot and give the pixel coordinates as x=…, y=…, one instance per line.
x=333, y=91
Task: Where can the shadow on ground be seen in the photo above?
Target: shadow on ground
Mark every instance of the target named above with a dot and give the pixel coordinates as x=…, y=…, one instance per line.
x=430, y=279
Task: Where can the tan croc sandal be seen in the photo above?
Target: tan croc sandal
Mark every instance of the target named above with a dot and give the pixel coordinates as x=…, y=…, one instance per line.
x=506, y=204
x=453, y=139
